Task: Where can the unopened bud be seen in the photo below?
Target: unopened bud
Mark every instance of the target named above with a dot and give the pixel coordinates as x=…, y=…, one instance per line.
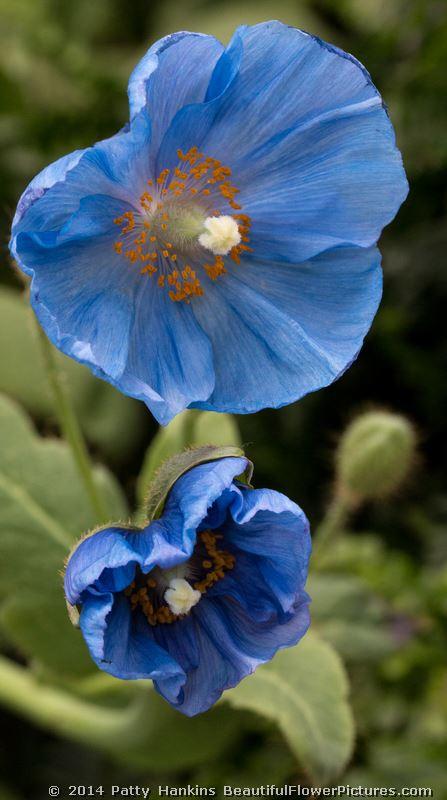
x=374, y=455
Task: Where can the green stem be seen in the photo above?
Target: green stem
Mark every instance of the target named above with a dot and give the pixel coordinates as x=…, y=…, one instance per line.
x=330, y=529
x=66, y=715
x=70, y=427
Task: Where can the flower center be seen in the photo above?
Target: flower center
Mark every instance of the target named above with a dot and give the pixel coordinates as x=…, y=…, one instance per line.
x=185, y=216
x=180, y=596
x=166, y=595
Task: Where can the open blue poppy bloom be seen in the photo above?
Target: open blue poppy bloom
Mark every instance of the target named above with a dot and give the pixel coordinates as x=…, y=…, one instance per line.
x=200, y=597
x=219, y=252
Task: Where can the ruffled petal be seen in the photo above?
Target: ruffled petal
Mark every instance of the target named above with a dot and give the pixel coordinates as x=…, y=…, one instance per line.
x=334, y=296
x=275, y=532
x=105, y=562
x=97, y=307
x=175, y=72
x=280, y=331
x=337, y=184
x=54, y=173
x=262, y=357
x=122, y=644
x=117, y=167
x=309, y=141
x=230, y=646
x=81, y=290
x=287, y=79
x=170, y=358
x=194, y=494
x=108, y=549
x=166, y=542
x=191, y=124
x=246, y=586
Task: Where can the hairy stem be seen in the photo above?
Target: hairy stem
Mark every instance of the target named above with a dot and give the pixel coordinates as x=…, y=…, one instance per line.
x=70, y=428
x=330, y=529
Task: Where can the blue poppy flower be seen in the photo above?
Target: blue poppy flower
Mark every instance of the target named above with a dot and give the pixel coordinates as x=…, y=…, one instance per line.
x=200, y=597
x=219, y=252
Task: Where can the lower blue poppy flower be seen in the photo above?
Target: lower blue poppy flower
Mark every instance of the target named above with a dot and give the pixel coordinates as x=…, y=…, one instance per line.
x=201, y=596
x=220, y=251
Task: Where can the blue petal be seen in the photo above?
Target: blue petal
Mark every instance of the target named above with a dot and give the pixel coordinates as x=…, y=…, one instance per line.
x=80, y=290
x=105, y=562
x=334, y=296
x=175, y=72
x=218, y=512
x=315, y=156
x=230, y=646
x=192, y=123
x=246, y=586
x=97, y=307
x=117, y=167
x=165, y=542
x=170, y=359
x=193, y=495
x=52, y=174
x=110, y=548
x=295, y=328
x=122, y=644
x=275, y=532
x=335, y=184
x=287, y=79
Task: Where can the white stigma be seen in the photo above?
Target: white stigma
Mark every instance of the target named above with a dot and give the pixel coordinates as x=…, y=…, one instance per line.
x=221, y=235
x=180, y=596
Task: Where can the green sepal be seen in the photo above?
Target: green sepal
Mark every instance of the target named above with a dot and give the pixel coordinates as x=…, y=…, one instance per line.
x=73, y=614
x=173, y=468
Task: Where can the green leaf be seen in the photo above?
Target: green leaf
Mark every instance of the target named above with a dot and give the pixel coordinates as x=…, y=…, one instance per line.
x=189, y=429
x=109, y=420
x=167, y=442
x=172, y=469
x=135, y=725
x=167, y=740
x=43, y=510
x=350, y=616
x=213, y=428
x=304, y=690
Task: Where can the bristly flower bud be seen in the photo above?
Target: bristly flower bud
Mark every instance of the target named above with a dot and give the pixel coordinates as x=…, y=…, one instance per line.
x=374, y=455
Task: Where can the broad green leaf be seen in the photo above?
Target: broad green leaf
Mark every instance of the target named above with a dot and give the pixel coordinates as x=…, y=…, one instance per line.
x=134, y=724
x=349, y=616
x=403, y=761
x=43, y=510
x=304, y=690
x=218, y=429
x=109, y=420
x=189, y=429
x=169, y=741
x=167, y=442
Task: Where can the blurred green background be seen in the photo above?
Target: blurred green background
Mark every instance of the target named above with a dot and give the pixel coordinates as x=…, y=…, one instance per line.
x=382, y=602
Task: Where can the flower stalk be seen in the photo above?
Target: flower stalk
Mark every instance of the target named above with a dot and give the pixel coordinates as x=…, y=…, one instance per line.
x=331, y=528
x=70, y=427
